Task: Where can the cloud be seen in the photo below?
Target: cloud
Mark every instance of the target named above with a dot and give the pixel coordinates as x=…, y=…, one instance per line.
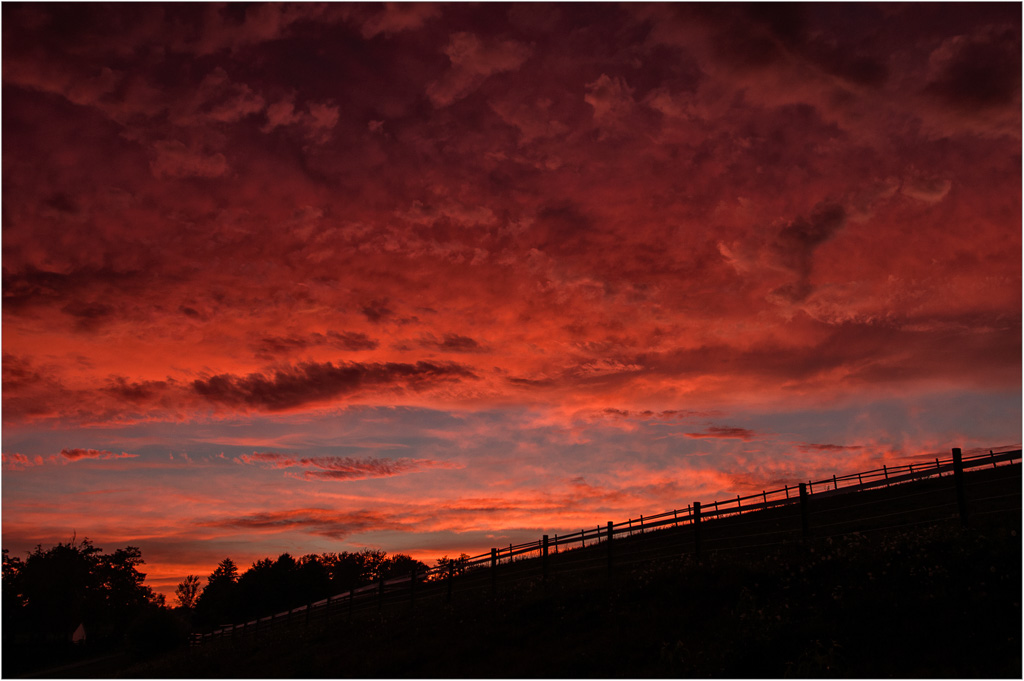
x=613, y=104
x=271, y=347
x=324, y=522
x=317, y=122
x=217, y=99
x=979, y=71
x=137, y=392
x=173, y=160
x=809, y=447
x=725, y=432
x=222, y=30
x=377, y=310
x=395, y=17
x=452, y=342
x=18, y=461
x=313, y=382
x=666, y=414
x=473, y=61
x=341, y=468
x=794, y=246
x=77, y=454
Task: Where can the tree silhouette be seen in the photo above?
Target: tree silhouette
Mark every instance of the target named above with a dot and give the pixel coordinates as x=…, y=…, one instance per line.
x=456, y=565
x=54, y=591
x=218, y=599
x=401, y=565
x=188, y=591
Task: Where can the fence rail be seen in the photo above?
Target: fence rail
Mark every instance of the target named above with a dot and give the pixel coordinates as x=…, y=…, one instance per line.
x=472, y=572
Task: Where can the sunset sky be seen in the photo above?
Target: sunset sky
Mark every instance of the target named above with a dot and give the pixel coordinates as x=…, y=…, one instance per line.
x=437, y=278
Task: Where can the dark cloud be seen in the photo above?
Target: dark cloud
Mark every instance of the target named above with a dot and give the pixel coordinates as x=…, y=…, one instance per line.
x=667, y=414
x=137, y=392
x=795, y=244
x=76, y=454
x=88, y=315
x=452, y=342
x=271, y=347
x=318, y=521
x=726, y=432
x=351, y=340
x=18, y=372
x=377, y=310
x=340, y=468
x=313, y=382
x=978, y=71
x=810, y=447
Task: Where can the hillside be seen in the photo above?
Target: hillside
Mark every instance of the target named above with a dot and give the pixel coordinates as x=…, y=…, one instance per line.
x=902, y=597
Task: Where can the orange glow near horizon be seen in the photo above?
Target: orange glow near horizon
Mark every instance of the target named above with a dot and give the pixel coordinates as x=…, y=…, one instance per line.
x=518, y=270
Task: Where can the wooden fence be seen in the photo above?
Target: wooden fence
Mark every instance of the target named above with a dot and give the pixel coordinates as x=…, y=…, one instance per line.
x=778, y=508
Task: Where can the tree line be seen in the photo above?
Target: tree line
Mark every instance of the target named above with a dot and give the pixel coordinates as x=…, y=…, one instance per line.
x=72, y=600
x=270, y=586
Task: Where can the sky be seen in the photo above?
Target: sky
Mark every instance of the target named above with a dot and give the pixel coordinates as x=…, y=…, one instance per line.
x=437, y=278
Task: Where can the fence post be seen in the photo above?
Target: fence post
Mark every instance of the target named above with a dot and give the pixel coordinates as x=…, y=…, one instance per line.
x=494, y=572
x=787, y=491
x=958, y=479
x=737, y=502
x=544, y=557
x=804, y=526
x=764, y=496
x=696, y=529
x=885, y=472
x=835, y=483
x=611, y=533
x=993, y=455
x=675, y=518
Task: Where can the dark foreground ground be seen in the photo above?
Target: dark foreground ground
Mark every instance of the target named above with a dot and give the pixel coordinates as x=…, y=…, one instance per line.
x=909, y=600
x=935, y=602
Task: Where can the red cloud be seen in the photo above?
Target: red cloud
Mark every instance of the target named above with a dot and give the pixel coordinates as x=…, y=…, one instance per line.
x=18, y=461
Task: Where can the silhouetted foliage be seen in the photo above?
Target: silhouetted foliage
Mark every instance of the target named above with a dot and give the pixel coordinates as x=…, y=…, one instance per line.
x=400, y=565
x=67, y=588
x=271, y=586
x=456, y=565
x=218, y=599
x=188, y=591
x=155, y=630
